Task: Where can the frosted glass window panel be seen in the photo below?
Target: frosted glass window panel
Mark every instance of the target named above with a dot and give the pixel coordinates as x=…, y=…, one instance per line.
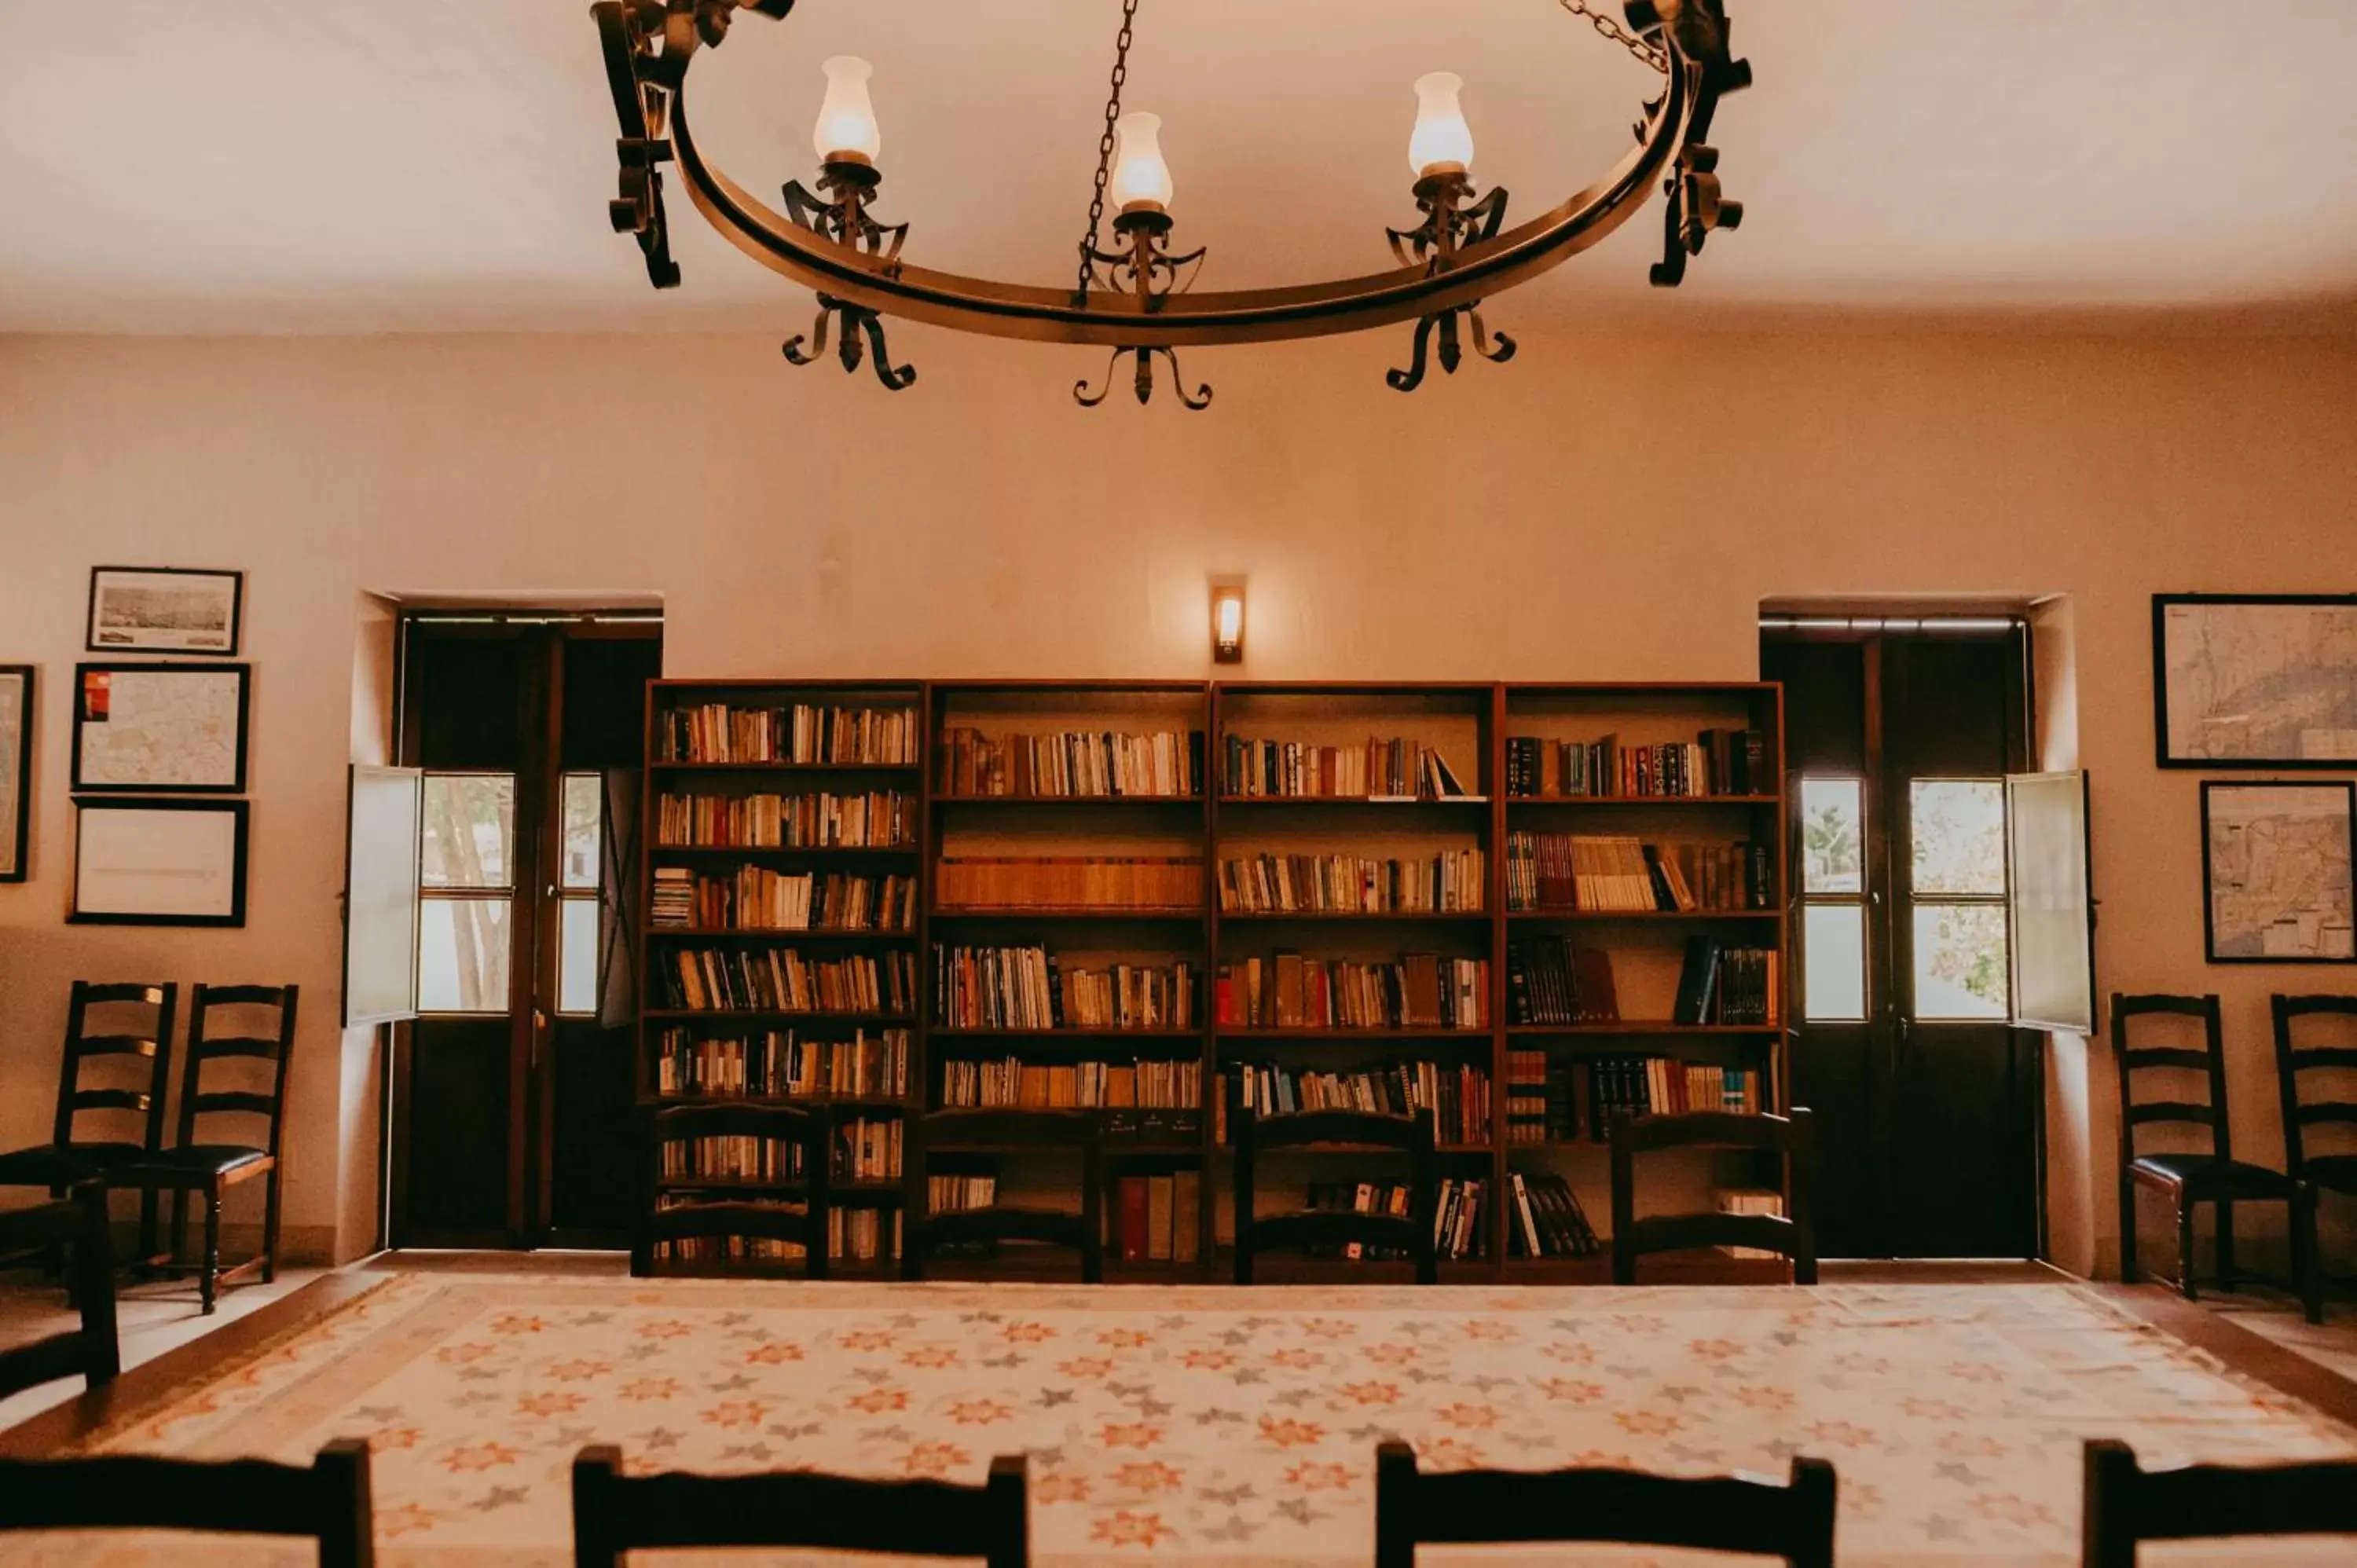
x=1833, y=952
x=585, y=824
x=1960, y=961
x=1957, y=826
x=469, y=830
x=1832, y=835
x=462, y=956
x=577, y=958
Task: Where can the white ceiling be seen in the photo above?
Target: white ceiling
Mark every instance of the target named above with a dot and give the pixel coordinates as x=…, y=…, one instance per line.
x=239, y=166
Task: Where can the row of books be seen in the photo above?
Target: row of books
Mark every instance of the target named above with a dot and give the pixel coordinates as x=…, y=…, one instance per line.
x=1456, y=1220
x=1070, y=763
x=1458, y=1096
x=755, y=899
x=1055, y=1086
x=867, y=1148
x=1720, y=985
x=1750, y=1200
x=1028, y=988
x=1651, y=1086
x=1450, y=881
x=1541, y=1098
x=956, y=1193
x=1381, y=769
x=1715, y=762
x=1157, y=1218
x=1553, y=980
x=1545, y=1218
x=882, y=819
x=853, y=1235
x=1288, y=991
x=783, y=980
x=1621, y=873
x=779, y=1065
x=1070, y=882
x=800, y=732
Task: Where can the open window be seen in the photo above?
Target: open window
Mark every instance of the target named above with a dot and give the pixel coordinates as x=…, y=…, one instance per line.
x=2051, y=901
x=382, y=876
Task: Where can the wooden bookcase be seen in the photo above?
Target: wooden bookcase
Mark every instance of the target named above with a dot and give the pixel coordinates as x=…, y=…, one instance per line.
x=1469, y=724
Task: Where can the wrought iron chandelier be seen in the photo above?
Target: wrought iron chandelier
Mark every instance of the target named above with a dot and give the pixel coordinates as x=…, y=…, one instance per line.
x=1135, y=296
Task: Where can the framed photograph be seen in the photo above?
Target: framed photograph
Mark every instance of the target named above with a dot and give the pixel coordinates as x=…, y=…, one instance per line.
x=2274, y=872
x=16, y=769
x=165, y=609
x=159, y=862
x=2255, y=681
x=160, y=727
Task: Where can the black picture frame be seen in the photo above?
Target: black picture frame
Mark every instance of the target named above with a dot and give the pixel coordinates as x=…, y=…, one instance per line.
x=2348, y=792
x=236, y=581
x=2162, y=756
x=238, y=810
x=81, y=720
x=17, y=827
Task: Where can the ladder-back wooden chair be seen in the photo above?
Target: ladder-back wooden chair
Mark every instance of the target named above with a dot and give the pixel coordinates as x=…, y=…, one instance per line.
x=141, y=1029
x=724, y=1210
x=1411, y=1234
x=1007, y=1130
x=614, y=1513
x=1621, y=1507
x=2126, y=1504
x=327, y=1500
x=206, y=1170
x=1792, y=1233
x=78, y=1226
x=2335, y=1169
x=2190, y=1179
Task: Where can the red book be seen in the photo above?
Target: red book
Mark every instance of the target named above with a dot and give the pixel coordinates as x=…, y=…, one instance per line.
x=1129, y=1229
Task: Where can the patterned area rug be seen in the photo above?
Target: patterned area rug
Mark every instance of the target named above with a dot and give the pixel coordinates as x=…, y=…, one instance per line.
x=1217, y=1428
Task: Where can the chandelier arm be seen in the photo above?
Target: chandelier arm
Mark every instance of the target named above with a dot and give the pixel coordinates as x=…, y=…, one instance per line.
x=1312, y=310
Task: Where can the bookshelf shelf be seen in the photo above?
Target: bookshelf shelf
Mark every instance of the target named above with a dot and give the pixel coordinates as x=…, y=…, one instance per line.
x=1496, y=741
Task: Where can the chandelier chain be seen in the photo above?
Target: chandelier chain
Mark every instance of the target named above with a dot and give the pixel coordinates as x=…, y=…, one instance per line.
x=1617, y=34
x=1105, y=142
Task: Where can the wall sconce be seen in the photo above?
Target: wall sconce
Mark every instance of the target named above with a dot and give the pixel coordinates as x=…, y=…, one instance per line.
x=1227, y=620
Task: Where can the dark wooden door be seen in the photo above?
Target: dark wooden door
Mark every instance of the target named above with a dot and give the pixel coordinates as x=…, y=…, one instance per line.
x=1926, y=1097
x=512, y=1087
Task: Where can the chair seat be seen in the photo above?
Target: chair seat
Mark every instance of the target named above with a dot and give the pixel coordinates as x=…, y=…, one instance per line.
x=53, y=1165
x=2338, y=1172
x=190, y=1163
x=2206, y=1175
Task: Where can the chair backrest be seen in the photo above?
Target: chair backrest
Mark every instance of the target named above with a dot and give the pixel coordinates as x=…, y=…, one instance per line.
x=1713, y=1513
x=1003, y=1130
x=327, y=1500
x=1792, y=1233
x=2210, y=1059
x=79, y=1225
x=614, y=1513
x=2125, y=1503
x=1411, y=1232
x=805, y=1128
x=2292, y=1060
x=152, y=1041
x=206, y=1046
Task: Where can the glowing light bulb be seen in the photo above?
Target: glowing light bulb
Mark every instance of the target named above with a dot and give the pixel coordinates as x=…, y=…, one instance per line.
x=846, y=130
x=1442, y=142
x=1140, y=178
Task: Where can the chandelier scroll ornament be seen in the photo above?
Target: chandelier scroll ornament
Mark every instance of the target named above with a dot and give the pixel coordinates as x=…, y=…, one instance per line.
x=1135, y=296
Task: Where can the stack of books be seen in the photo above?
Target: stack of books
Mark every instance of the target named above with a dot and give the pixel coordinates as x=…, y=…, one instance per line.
x=1715, y=762
x=1127, y=881
x=1646, y=1086
x=782, y=980
x=1028, y=988
x=1750, y=1200
x=1456, y=1229
x=1458, y=1096
x=863, y=1235
x=1735, y=985
x=1157, y=1218
x=728, y=1158
x=759, y=899
x=1450, y=881
x=1071, y=764
x=880, y=819
x=1545, y=1220
x=801, y=733
x=1551, y=982
x=1420, y=990
x=867, y=1148
x=1057, y=1086
x=780, y=1066
x=1380, y=770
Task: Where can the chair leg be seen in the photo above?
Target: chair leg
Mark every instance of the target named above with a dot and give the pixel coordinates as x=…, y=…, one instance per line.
x=2307, y=1259
x=2225, y=1237
x=148, y=1219
x=270, y=1226
x=2127, y=1232
x=2185, y=1209
x=209, y=1275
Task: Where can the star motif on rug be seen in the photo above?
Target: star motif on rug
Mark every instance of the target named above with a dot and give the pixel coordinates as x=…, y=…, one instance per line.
x=1939, y=1526
x=735, y=1383
x=1050, y=1397
x=1214, y=1415
x=660, y=1437
x=1227, y=1496
x=500, y=1497
x=1964, y=1475
x=1298, y=1510
x=378, y=1414
x=1233, y=1529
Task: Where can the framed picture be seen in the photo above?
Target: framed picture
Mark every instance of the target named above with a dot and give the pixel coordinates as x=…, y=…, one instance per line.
x=2255, y=681
x=159, y=862
x=15, y=768
x=164, y=609
x=2274, y=872
x=160, y=727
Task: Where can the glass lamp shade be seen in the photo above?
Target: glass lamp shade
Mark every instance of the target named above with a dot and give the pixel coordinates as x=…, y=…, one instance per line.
x=1442, y=142
x=1140, y=178
x=846, y=130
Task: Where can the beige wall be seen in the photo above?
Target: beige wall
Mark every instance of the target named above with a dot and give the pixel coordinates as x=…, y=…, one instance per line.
x=1603, y=507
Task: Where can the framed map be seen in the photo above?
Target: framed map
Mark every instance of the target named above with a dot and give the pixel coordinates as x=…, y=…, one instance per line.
x=164, y=609
x=16, y=768
x=2275, y=872
x=2264, y=680
x=160, y=728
